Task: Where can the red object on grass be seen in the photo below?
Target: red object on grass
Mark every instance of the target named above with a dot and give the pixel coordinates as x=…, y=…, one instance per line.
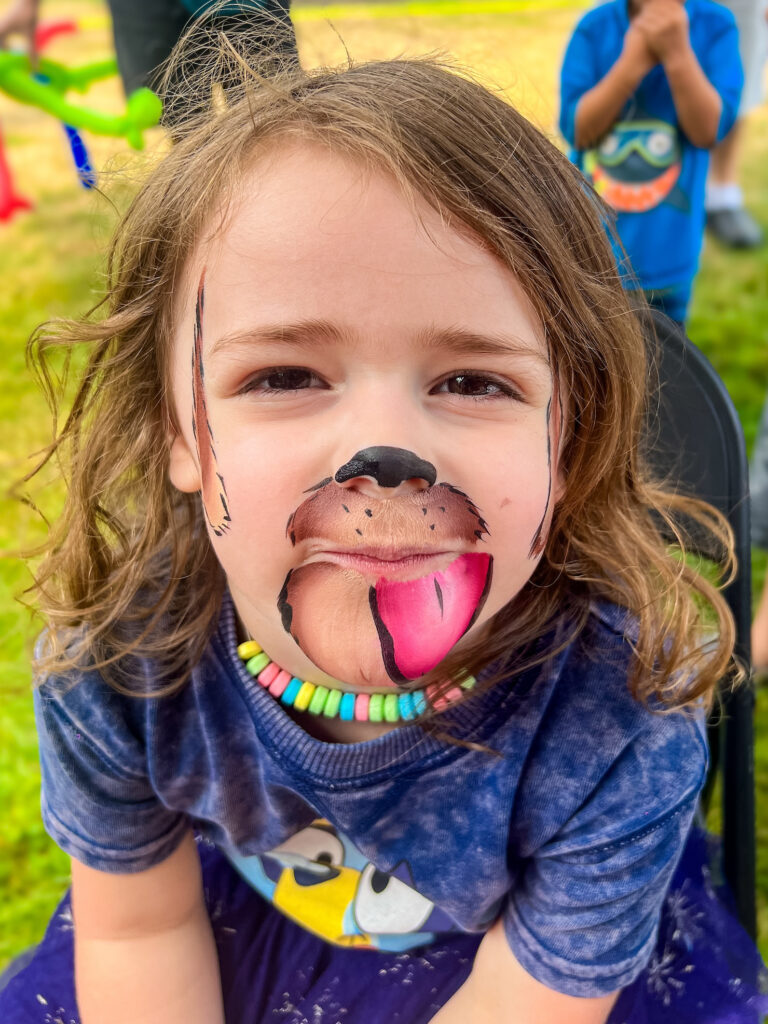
x=10, y=201
x=48, y=30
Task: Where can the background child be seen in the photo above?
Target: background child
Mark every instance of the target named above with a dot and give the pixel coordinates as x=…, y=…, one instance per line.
x=647, y=88
x=728, y=219
x=323, y=410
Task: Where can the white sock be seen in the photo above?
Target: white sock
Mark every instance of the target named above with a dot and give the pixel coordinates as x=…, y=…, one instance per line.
x=723, y=197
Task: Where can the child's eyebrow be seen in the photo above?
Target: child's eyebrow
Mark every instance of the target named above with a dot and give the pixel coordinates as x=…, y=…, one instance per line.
x=314, y=333
x=461, y=341
x=303, y=334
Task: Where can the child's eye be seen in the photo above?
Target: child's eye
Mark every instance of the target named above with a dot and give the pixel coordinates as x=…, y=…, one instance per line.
x=476, y=385
x=281, y=379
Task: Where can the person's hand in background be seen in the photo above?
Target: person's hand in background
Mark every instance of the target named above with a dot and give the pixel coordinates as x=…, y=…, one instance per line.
x=664, y=26
x=20, y=18
x=636, y=54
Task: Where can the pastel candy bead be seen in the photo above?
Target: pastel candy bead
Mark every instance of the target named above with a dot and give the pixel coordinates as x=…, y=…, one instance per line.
x=279, y=683
x=257, y=663
x=447, y=699
x=270, y=672
x=361, y=707
x=419, y=702
x=332, y=702
x=249, y=649
x=290, y=692
x=407, y=712
x=304, y=696
x=319, y=698
x=391, y=709
x=376, y=708
x=347, y=707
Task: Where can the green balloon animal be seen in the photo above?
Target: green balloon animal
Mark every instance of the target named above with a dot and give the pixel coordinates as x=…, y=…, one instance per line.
x=45, y=86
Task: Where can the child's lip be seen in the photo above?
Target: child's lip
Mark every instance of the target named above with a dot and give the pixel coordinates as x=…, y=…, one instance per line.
x=389, y=561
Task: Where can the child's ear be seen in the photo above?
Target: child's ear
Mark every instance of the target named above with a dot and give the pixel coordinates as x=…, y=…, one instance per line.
x=183, y=470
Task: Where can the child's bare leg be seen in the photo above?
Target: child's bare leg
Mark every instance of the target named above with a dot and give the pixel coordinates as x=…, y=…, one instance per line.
x=727, y=218
x=725, y=158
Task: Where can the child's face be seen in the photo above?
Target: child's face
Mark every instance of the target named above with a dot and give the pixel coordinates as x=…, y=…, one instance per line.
x=376, y=431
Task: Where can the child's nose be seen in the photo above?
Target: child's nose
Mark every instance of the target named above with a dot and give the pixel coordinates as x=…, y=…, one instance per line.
x=383, y=472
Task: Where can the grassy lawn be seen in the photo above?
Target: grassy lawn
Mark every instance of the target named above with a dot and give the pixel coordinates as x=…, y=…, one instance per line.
x=51, y=265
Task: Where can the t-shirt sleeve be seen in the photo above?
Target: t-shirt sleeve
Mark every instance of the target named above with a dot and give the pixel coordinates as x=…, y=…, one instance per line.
x=97, y=800
x=722, y=66
x=583, y=917
x=578, y=75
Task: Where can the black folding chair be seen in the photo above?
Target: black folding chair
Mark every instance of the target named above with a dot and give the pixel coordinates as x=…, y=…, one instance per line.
x=695, y=442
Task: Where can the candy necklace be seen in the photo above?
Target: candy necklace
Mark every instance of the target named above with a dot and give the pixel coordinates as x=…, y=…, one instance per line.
x=330, y=702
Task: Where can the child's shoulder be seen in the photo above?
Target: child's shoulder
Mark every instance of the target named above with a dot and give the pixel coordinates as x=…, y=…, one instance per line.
x=81, y=707
x=78, y=707
x=596, y=18
x=593, y=690
x=599, y=749
x=710, y=9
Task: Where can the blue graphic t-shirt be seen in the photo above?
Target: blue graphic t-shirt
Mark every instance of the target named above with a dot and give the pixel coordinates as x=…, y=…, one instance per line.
x=645, y=167
x=568, y=825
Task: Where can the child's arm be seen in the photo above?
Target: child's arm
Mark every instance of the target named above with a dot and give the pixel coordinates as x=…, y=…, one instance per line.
x=500, y=991
x=599, y=108
x=664, y=26
x=144, y=949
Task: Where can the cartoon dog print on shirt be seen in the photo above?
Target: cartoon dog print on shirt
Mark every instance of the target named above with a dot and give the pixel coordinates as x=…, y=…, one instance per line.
x=320, y=880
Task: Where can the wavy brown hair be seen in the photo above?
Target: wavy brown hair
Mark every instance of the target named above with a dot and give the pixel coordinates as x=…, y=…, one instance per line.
x=128, y=569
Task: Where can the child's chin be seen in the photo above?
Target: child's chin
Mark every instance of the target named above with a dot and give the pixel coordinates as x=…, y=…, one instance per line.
x=359, y=667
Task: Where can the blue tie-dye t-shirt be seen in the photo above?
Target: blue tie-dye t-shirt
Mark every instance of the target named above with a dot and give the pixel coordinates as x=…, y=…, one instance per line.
x=567, y=823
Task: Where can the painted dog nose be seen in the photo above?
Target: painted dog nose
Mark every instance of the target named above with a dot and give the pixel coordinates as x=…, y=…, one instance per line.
x=388, y=467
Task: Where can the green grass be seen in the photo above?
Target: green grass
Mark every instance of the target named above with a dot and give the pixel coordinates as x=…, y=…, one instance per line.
x=51, y=265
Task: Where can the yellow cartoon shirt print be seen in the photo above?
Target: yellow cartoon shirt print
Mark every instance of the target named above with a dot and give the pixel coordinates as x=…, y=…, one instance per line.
x=322, y=882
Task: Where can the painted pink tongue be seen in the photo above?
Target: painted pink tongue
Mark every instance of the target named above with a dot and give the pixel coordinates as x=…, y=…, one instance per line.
x=420, y=620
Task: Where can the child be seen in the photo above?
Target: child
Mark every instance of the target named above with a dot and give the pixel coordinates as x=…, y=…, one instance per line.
x=728, y=219
x=365, y=398
x=647, y=89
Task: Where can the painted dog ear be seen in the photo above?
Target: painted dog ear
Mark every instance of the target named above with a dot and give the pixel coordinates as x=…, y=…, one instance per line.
x=183, y=470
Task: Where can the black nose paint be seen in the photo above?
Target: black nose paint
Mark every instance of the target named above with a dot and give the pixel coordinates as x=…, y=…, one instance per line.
x=389, y=467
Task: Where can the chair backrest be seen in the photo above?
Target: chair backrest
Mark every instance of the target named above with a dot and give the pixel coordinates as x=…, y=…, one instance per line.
x=695, y=441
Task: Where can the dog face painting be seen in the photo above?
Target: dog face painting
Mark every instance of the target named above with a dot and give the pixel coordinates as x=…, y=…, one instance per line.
x=403, y=569
x=368, y=410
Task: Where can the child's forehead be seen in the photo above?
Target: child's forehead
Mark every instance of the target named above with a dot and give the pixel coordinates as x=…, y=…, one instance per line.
x=298, y=194
x=309, y=230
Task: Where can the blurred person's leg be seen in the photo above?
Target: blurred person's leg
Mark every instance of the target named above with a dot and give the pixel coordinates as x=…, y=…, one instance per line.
x=727, y=217
x=145, y=32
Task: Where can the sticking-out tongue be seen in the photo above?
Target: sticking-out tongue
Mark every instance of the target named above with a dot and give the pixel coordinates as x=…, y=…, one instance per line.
x=420, y=620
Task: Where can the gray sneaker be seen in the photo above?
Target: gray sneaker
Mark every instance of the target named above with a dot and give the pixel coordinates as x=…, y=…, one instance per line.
x=737, y=229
